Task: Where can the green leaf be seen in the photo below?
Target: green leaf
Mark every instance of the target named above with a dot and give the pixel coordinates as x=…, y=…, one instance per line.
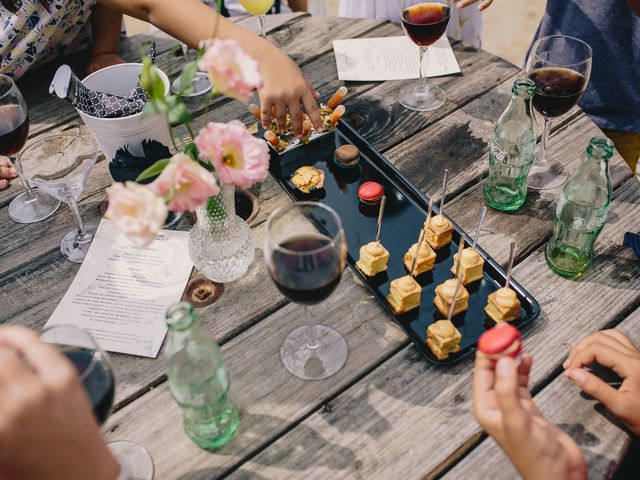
x=151, y=81
x=153, y=170
x=191, y=150
x=186, y=78
x=178, y=114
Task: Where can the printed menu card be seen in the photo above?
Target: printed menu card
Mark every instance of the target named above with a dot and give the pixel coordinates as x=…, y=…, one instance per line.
x=121, y=292
x=392, y=58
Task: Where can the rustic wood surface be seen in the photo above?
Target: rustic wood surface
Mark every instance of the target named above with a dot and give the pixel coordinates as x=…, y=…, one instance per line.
x=387, y=413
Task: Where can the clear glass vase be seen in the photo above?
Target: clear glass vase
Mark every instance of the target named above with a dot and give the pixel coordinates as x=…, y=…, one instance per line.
x=220, y=243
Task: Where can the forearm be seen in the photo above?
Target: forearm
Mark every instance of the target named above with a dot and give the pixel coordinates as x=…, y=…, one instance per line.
x=191, y=21
x=635, y=5
x=299, y=5
x=106, y=24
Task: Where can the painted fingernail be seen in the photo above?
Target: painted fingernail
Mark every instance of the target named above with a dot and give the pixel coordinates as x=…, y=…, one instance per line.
x=3, y=183
x=566, y=363
x=12, y=171
x=578, y=375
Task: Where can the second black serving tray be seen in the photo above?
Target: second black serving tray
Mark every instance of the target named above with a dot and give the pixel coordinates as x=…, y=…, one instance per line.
x=404, y=216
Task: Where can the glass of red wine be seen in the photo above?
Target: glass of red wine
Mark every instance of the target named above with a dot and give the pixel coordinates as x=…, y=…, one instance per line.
x=305, y=250
x=94, y=369
x=32, y=205
x=424, y=23
x=560, y=66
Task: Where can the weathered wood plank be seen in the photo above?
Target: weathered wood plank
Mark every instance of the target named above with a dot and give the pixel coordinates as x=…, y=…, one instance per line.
x=269, y=397
x=594, y=428
x=407, y=417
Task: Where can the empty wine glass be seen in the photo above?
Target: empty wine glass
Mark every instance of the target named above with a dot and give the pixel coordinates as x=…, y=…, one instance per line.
x=560, y=66
x=258, y=8
x=62, y=164
x=32, y=205
x=424, y=23
x=94, y=369
x=305, y=250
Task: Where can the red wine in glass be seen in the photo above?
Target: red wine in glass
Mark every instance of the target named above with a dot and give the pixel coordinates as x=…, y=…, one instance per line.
x=558, y=89
x=98, y=379
x=14, y=129
x=425, y=22
x=304, y=270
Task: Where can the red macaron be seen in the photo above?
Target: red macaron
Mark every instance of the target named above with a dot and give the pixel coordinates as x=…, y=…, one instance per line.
x=370, y=193
x=502, y=340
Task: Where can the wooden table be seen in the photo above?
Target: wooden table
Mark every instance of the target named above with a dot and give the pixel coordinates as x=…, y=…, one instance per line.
x=387, y=413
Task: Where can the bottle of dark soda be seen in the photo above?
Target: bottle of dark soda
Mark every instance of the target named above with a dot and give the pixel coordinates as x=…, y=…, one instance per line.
x=581, y=212
x=512, y=151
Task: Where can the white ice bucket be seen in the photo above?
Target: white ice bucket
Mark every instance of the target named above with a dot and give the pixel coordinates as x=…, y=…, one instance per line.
x=129, y=132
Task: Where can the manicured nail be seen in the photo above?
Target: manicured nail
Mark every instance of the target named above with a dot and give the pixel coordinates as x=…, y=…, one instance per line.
x=503, y=368
x=3, y=183
x=566, y=363
x=578, y=375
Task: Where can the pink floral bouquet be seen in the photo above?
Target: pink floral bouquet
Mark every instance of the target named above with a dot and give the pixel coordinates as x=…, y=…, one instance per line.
x=220, y=154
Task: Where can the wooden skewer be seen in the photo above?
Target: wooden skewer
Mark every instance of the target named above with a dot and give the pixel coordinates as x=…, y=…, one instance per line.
x=512, y=256
x=444, y=190
x=423, y=234
x=483, y=213
x=337, y=97
x=459, y=277
x=383, y=202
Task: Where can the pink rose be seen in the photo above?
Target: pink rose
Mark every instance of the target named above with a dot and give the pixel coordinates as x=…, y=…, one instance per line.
x=232, y=72
x=185, y=183
x=239, y=158
x=136, y=211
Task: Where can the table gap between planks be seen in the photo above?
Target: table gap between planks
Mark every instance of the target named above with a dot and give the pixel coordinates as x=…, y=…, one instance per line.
x=387, y=412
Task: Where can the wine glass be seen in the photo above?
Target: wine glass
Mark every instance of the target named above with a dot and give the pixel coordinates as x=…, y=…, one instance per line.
x=258, y=8
x=32, y=205
x=424, y=23
x=560, y=66
x=305, y=250
x=94, y=369
x=62, y=164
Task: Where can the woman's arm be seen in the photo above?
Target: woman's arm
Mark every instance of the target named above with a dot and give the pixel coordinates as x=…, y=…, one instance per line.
x=299, y=5
x=106, y=24
x=190, y=21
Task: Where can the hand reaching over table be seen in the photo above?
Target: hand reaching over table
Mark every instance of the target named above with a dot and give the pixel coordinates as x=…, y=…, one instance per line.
x=503, y=406
x=7, y=173
x=47, y=428
x=484, y=4
x=611, y=349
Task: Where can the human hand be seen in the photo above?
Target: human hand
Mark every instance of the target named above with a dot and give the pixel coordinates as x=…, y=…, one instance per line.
x=7, y=173
x=47, y=428
x=286, y=88
x=465, y=3
x=503, y=406
x=102, y=60
x=611, y=349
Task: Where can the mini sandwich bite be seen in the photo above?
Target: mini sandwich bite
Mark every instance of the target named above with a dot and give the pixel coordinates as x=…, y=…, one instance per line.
x=472, y=264
x=444, y=297
x=440, y=232
x=500, y=341
x=426, y=258
x=443, y=338
x=346, y=156
x=307, y=179
x=404, y=294
x=373, y=259
x=503, y=305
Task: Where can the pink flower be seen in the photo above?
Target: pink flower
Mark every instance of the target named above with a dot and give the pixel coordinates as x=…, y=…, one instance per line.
x=136, y=211
x=232, y=72
x=238, y=157
x=185, y=183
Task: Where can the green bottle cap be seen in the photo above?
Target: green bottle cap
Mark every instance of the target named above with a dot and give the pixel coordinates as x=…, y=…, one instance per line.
x=180, y=316
x=601, y=148
x=523, y=87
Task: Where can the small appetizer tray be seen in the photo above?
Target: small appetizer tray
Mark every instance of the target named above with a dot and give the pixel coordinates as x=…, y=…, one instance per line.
x=404, y=216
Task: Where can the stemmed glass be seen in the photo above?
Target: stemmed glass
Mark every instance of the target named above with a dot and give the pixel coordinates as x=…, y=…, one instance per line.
x=424, y=23
x=258, y=8
x=62, y=164
x=32, y=205
x=305, y=250
x=560, y=66
x=94, y=369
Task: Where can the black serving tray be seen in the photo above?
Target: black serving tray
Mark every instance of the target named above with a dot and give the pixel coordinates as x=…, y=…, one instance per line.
x=404, y=216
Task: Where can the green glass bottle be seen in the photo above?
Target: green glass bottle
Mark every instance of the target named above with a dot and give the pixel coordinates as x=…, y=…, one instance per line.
x=198, y=380
x=581, y=212
x=512, y=151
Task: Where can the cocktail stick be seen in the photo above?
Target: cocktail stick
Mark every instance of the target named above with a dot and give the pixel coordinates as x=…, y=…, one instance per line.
x=383, y=202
